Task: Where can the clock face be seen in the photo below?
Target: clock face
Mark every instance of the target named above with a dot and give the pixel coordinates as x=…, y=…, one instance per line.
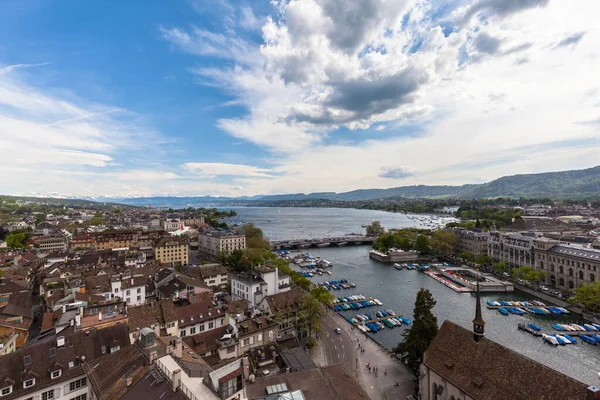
x=478, y=329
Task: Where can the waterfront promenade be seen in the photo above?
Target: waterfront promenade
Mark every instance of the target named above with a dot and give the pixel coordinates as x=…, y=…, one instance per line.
x=334, y=348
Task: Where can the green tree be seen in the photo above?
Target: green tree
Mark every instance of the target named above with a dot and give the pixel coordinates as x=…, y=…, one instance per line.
x=588, y=296
x=15, y=240
x=419, y=336
x=465, y=255
x=323, y=295
x=375, y=229
x=501, y=267
x=311, y=310
x=484, y=259
x=444, y=242
x=422, y=244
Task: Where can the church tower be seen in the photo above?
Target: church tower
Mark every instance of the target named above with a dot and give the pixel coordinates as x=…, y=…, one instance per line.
x=478, y=322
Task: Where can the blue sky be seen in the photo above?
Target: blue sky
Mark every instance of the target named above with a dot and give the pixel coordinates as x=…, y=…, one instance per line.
x=237, y=98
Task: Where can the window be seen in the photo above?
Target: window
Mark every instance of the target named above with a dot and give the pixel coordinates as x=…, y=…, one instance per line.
x=78, y=384
x=211, y=325
x=229, y=387
x=182, y=333
x=49, y=395
x=80, y=397
x=139, y=298
x=127, y=293
x=139, y=290
x=230, y=349
x=6, y=390
x=116, y=290
x=201, y=327
x=246, y=342
x=193, y=331
x=28, y=383
x=56, y=374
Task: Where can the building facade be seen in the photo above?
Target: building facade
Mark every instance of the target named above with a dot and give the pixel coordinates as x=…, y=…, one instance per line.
x=172, y=250
x=566, y=266
x=214, y=275
x=255, y=285
x=514, y=248
x=473, y=242
x=216, y=242
x=52, y=244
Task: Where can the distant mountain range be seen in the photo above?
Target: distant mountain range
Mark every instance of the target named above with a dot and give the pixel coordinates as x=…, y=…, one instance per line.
x=574, y=184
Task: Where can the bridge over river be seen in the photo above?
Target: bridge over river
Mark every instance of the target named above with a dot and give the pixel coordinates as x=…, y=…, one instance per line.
x=321, y=242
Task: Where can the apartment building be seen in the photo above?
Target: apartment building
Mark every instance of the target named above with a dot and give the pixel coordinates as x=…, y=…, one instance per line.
x=514, y=248
x=566, y=266
x=253, y=286
x=172, y=250
x=53, y=369
x=115, y=239
x=474, y=242
x=200, y=317
x=51, y=244
x=214, y=275
x=220, y=242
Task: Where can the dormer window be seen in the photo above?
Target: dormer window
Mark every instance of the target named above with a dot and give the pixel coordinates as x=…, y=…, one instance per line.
x=56, y=374
x=115, y=349
x=28, y=383
x=5, y=391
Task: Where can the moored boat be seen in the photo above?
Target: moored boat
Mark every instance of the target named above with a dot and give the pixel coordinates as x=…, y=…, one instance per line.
x=550, y=339
x=570, y=338
x=558, y=327
x=502, y=311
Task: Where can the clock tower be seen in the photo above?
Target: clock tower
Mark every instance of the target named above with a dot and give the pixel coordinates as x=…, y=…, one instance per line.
x=478, y=322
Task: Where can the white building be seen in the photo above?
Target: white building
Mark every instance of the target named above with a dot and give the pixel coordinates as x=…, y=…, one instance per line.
x=225, y=383
x=130, y=290
x=172, y=224
x=255, y=285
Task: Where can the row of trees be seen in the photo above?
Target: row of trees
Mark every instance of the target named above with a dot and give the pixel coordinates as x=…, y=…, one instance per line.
x=588, y=296
x=440, y=242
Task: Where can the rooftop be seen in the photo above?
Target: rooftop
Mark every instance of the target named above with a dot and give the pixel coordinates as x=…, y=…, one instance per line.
x=488, y=370
x=589, y=254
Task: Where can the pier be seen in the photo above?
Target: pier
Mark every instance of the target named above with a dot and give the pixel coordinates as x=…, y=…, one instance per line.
x=321, y=242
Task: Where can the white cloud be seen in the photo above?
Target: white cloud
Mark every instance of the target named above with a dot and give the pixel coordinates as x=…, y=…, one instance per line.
x=488, y=90
x=220, y=169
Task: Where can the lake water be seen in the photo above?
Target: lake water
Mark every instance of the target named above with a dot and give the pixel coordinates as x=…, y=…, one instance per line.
x=289, y=223
x=399, y=288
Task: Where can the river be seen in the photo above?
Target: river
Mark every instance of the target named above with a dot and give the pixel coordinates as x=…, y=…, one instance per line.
x=397, y=289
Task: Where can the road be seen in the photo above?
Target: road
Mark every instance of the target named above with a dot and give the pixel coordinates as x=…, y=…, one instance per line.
x=335, y=348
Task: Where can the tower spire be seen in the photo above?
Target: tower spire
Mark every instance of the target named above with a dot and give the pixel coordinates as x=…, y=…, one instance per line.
x=478, y=322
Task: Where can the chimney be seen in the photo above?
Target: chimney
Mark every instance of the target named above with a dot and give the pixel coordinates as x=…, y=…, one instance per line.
x=72, y=322
x=593, y=393
x=131, y=281
x=60, y=341
x=64, y=308
x=176, y=379
x=178, y=350
x=78, y=321
x=100, y=316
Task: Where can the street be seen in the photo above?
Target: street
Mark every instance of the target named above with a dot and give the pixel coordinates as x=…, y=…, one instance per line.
x=333, y=348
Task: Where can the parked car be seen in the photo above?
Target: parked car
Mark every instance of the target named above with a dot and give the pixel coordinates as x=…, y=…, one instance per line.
x=338, y=331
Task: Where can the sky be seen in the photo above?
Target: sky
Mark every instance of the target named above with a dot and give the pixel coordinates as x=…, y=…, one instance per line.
x=242, y=98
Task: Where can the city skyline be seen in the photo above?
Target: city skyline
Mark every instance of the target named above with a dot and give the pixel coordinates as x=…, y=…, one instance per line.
x=232, y=98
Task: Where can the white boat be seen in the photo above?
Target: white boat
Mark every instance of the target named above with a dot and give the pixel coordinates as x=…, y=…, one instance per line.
x=550, y=339
x=567, y=341
x=578, y=327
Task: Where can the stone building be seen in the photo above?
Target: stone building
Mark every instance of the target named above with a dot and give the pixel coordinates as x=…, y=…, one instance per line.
x=220, y=242
x=514, y=248
x=566, y=266
x=473, y=242
x=171, y=250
